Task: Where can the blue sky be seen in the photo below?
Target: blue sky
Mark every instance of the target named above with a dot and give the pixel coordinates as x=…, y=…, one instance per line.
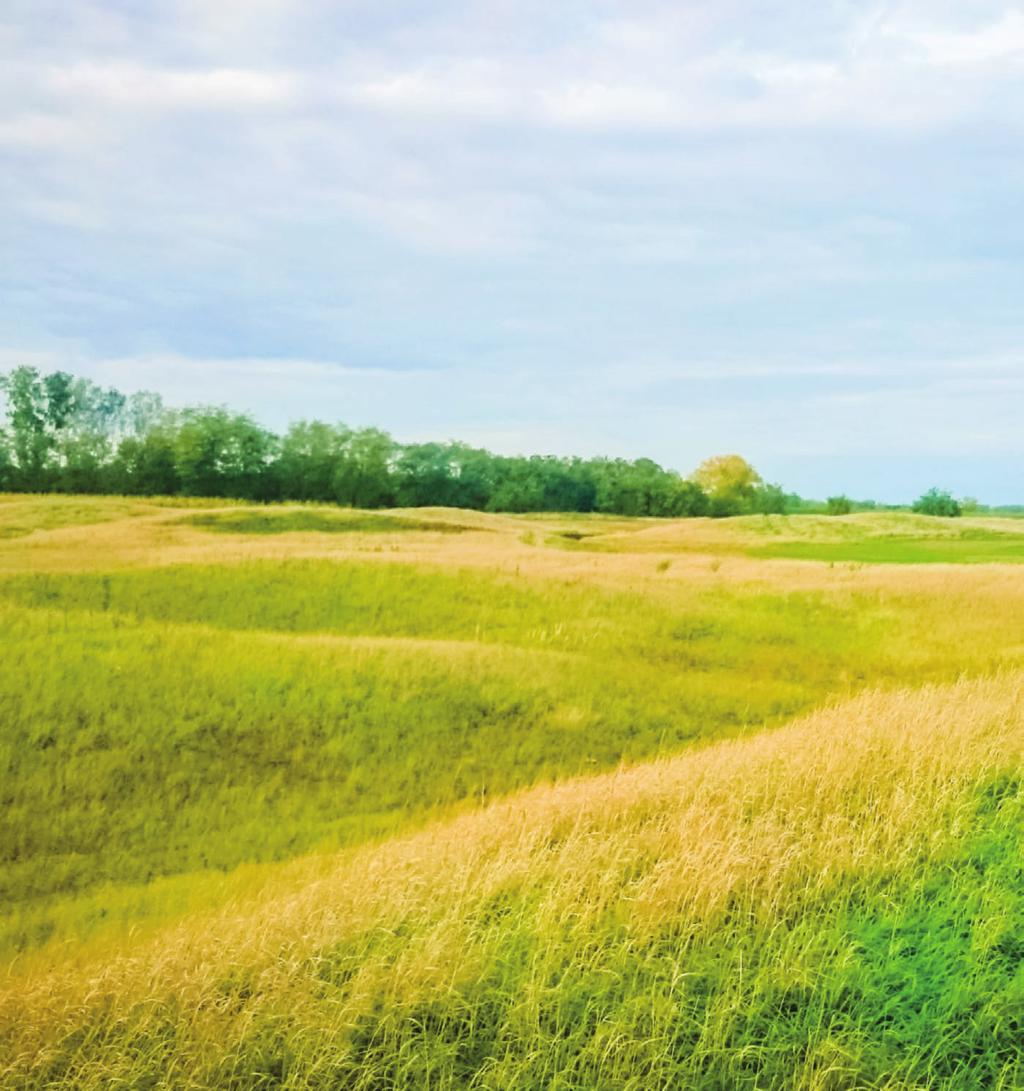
x=633, y=228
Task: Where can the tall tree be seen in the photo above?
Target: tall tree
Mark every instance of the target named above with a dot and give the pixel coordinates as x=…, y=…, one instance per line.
x=310, y=454
x=27, y=418
x=363, y=478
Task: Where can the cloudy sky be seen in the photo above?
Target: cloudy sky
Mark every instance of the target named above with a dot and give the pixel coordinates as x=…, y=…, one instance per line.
x=792, y=230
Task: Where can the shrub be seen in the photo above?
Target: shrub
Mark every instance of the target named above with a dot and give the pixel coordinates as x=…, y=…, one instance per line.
x=937, y=502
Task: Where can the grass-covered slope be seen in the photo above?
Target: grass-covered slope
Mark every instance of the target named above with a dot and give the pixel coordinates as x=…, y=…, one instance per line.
x=252, y=834
x=865, y=538
x=167, y=721
x=832, y=905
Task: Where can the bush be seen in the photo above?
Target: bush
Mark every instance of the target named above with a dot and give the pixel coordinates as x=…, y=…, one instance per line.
x=839, y=505
x=937, y=502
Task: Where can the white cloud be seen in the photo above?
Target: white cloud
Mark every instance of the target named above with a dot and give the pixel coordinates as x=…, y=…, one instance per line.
x=133, y=86
x=596, y=217
x=1002, y=40
x=42, y=132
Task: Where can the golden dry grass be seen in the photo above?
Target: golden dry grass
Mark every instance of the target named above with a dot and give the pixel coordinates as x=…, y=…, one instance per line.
x=759, y=836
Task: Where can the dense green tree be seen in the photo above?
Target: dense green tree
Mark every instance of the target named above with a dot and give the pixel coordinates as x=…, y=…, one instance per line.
x=310, y=455
x=769, y=499
x=839, y=505
x=518, y=485
x=688, y=499
x=937, y=502
x=146, y=465
x=218, y=453
x=640, y=488
x=62, y=430
x=59, y=399
x=364, y=475
x=476, y=472
x=73, y=435
x=31, y=441
x=85, y=464
x=426, y=474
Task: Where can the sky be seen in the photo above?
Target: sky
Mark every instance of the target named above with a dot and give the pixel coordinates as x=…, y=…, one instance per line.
x=637, y=228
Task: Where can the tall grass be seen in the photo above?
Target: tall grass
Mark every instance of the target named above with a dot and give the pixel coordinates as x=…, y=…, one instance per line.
x=834, y=905
x=269, y=764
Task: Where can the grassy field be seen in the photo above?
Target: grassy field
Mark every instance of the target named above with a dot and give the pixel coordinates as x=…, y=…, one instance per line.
x=300, y=797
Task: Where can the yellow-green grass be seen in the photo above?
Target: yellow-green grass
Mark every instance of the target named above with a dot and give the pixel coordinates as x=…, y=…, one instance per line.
x=25, y=514
x=166, y=720
x=866, y=538
x=187, y=714
x=832, y=905
x=319, y=518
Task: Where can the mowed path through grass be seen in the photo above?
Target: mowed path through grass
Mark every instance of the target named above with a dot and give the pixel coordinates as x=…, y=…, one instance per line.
x=182, y=717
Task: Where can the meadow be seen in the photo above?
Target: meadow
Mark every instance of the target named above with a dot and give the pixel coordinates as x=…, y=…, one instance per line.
x=299, y=796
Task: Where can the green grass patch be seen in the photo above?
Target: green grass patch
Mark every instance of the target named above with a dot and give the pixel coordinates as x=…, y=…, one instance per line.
x=21, y=515
x=278, y=521
x=903, y=981
x=975, y=548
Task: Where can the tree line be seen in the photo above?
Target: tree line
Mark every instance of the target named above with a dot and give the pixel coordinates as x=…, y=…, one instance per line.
x=68, y=434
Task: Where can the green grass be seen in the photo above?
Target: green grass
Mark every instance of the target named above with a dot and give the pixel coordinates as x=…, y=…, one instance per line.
x=905, y=980
x=320, y=520
x=158, y=733
x=775, y=913
x=969, y=549
x=167, y=720
x=832, y=906
x=21, y=515
x=908, y=980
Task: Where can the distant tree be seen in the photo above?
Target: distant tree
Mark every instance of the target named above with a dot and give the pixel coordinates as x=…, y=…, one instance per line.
x=146, y=465
x=641, y=487
x=27, y=416
x=363, y=478
x=218, y=453
x=101, y=412
x=425, y=475
x=84, y=464
x=770, y=500
x=688, y=499
x=937, y=502
x=143, y=411
x=476, y=472
x=59, y=399
x=839, y=505
x=517, y=485
x=6, y=462
x=310, y=456
x=730, y=482
x=74, y=435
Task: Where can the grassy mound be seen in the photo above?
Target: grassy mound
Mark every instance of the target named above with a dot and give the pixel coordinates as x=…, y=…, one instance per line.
x=832, y=905
x=321, y=520
x=156, y=719
x=865, y=538
x=21, y=514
